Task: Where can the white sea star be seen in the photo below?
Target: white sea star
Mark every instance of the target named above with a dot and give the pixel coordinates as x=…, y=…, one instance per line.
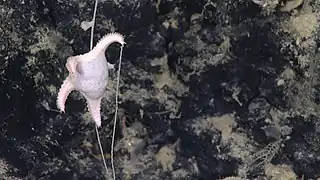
x=88, y=74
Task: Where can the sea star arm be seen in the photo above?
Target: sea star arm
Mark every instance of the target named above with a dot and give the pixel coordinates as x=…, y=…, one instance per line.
x=64, y=91
x=94, y=109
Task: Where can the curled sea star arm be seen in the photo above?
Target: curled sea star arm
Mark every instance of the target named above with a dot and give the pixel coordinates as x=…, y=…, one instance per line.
x=65, y=89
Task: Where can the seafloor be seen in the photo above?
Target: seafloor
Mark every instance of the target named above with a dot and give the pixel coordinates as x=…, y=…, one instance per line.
x=220, y=89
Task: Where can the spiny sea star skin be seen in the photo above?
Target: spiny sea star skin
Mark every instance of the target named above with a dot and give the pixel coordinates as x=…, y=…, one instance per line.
x=88, y=74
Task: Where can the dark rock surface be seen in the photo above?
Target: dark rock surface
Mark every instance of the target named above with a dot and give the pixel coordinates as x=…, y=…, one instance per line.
x=209, y=90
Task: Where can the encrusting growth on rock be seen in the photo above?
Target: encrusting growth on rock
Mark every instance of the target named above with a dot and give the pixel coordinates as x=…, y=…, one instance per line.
x=88, y=74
